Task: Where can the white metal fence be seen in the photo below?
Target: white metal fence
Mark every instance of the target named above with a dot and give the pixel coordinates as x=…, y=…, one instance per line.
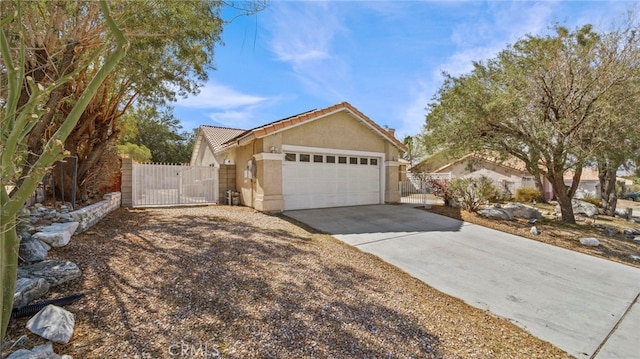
x=162, y=184
x=416, y=190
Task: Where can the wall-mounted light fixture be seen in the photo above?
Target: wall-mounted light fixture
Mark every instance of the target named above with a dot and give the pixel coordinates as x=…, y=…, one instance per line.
x=273, y=149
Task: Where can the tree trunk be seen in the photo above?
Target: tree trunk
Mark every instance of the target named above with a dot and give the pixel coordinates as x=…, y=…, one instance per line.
x=608, y=196
x=566, y=208
x=8, y=269
x=540, y=187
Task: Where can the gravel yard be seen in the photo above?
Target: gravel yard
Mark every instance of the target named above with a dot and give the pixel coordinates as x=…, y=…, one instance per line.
x=230, y=282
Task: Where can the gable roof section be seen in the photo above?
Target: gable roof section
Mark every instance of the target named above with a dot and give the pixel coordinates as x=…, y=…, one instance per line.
x=216, y=136
x=289, y=122
x=439, y=158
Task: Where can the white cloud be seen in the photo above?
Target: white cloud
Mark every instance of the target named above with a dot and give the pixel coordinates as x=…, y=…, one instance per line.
x=303, y=36
x=220, y=96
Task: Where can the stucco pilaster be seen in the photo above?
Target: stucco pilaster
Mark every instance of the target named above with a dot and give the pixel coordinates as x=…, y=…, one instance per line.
x=268, y=190
x=392, y=175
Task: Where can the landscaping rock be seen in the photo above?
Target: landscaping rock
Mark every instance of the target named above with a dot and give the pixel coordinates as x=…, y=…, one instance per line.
x=591, y=242
x=495, y=213
x=519, y=210
x=622, y=213
x=53, y=323
x=57, y=234
x=53, y=271
x=44, y=351
x=534, y=231
x=635, y=257
x=637, y=239
x=28, y=290
x=610, y=231
x=33, y=249
x=581, y=207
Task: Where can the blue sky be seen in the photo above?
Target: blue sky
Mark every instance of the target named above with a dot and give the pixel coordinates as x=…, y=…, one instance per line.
x=385, y=58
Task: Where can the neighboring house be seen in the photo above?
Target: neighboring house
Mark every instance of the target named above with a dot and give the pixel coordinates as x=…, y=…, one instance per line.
x=507, y=175
x=510, y=174
x=589, y=185
x=330, y=157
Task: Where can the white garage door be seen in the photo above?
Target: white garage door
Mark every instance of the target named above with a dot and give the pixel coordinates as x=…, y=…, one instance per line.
x=312, y=180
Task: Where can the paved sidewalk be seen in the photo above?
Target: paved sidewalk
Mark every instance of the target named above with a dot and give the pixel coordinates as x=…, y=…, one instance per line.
x=582, y=304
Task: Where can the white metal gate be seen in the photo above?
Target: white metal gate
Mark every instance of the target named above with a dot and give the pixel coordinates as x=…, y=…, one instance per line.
x=416, y=190
x=161, y=184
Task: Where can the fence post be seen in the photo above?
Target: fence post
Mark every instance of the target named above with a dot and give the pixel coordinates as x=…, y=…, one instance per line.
x=127, y=182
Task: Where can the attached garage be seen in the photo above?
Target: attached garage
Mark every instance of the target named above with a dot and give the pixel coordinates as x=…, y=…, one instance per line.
x=331, y=157
x=313, y=178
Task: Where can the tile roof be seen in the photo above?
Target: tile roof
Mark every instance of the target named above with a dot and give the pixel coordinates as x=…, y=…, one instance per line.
x=588, y=174
x=216, y=136
x=291, y=121
x=512, y=162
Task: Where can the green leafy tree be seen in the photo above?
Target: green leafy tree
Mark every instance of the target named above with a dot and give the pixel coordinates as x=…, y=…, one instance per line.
x=172, y=48
x=160, y=132
x=545, y=100
x=24, y=102
x=414, y=149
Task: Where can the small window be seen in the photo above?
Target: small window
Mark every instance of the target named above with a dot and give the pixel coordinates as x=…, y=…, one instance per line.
x=305, y=158
x=353, y=160
x=342, y=159
x=331, y=159
x=317, y=158
x=373, y=161
x=290, y=157
x=364, y=161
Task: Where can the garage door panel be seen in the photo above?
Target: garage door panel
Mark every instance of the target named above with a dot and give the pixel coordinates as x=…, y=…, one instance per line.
x=322, y=184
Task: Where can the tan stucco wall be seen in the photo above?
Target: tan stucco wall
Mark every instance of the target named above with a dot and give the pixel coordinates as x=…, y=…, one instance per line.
x=340, y=130
x=244, y=185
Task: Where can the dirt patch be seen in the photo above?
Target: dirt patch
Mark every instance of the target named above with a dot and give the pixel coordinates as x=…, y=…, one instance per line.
x=616, y=248
x=232, y=282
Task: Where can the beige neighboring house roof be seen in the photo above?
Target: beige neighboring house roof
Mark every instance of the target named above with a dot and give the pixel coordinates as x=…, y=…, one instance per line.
x=588, y=174
x=299, y=119
x=512, y=163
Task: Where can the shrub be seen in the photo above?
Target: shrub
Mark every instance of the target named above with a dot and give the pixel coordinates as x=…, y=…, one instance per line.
x=527, y=194
x=440, y=188
x=593, y=200
x=472, y=192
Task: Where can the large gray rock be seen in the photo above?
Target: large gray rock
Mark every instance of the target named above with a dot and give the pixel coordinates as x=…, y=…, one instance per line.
x=28, y=290
x=33, y=249
x=57, y=234
x=520, y=210
x=591, y=242
x=495, y=213
x=53, y=323
x=44, y=351
x=582, y=207
x=53, y=271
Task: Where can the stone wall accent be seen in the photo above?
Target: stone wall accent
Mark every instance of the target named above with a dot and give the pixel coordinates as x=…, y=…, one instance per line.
x=90, y=215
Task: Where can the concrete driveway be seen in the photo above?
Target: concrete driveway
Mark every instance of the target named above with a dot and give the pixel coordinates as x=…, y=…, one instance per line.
x=584, y=305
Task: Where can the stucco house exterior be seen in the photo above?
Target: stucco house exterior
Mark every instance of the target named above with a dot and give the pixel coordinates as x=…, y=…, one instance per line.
x=511, y=174
x=507, y=175
x=330, y=157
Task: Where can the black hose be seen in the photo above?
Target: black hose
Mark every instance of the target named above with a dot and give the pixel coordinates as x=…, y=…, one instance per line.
x=36, y=307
